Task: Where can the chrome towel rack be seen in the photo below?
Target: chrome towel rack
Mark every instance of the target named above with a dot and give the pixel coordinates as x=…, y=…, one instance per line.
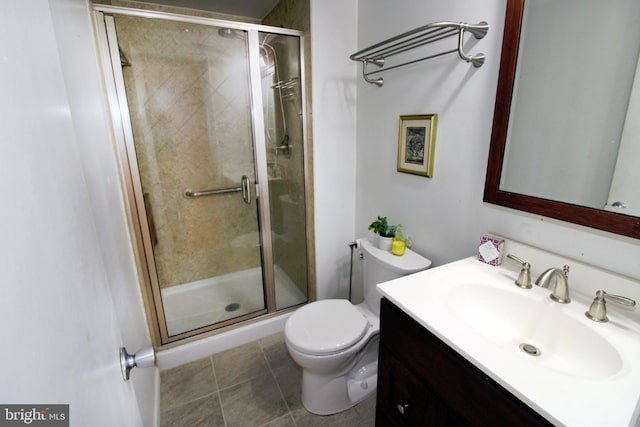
x=427, y=34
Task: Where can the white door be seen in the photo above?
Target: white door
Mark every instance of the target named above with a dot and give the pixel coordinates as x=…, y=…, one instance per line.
x=60, y=326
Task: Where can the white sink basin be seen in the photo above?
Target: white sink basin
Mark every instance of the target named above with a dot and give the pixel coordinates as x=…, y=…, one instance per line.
x=587, y=373
x=537, y=330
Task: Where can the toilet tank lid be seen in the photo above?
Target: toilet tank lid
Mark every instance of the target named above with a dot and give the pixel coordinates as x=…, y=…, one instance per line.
x=325, y=327
x=410, y=262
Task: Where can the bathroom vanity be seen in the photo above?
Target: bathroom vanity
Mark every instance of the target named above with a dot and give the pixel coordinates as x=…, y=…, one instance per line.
x=423, y=382
x=462, y=345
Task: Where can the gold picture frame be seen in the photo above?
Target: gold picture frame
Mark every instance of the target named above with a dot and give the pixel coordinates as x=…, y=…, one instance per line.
x=417, y=144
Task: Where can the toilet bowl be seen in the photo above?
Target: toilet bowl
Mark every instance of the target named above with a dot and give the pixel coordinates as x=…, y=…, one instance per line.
x=336, y=342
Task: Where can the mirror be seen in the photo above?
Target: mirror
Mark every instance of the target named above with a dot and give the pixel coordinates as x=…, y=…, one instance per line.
x=530, y=125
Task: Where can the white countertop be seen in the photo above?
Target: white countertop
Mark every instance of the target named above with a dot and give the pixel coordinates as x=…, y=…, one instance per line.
x=573, y=398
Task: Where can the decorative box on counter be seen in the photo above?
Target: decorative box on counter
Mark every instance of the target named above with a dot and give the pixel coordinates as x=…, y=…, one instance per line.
x=490, y=250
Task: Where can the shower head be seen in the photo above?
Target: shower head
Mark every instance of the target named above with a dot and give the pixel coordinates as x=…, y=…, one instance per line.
x=229, y=33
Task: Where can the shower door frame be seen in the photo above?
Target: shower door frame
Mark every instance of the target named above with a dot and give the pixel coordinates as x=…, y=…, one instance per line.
x=123, y=135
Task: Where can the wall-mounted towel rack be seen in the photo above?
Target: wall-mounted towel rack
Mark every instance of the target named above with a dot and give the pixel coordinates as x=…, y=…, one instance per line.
x=415, y=38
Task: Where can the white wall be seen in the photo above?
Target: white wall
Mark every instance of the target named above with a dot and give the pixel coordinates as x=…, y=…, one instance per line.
x=333, y=39
x=69, y=290
x=445, y=215
x=441, y=214
x=92, y=126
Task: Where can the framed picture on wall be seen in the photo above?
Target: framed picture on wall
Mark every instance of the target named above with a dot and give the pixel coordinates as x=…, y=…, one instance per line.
x=416, y=144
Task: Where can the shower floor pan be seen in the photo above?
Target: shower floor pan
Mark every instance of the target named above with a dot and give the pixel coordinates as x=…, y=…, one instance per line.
x=205, y=302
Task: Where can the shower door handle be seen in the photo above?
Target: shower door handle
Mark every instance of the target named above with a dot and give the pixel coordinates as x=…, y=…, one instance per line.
x=246, y=190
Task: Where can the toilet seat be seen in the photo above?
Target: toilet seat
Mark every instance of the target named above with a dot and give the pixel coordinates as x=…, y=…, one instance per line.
x=325, y=327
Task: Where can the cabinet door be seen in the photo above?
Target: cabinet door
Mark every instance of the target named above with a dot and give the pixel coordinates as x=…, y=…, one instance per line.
x=402, y=399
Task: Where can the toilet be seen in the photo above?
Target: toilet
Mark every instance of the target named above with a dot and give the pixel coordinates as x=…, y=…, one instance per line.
x=336, y=343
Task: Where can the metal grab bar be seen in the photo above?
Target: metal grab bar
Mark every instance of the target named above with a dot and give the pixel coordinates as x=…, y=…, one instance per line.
x=427, y=34
x=188, y=193
x=245, y=188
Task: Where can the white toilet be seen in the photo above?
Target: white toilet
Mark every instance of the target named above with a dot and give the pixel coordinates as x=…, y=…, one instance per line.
x=336, y=343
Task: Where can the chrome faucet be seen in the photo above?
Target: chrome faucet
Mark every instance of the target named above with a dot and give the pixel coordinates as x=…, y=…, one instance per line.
x=558, y=281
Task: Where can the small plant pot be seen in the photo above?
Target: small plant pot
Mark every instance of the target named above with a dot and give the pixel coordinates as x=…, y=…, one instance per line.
x=384, y=243
x=398, y=246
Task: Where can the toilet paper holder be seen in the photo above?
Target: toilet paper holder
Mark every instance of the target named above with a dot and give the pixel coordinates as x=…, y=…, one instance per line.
x=143, y=358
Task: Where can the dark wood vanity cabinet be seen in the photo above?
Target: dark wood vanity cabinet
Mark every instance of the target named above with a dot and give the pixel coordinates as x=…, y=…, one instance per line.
x=423, y=382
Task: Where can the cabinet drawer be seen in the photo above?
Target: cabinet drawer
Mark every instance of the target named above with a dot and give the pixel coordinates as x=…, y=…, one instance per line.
x=468, y=392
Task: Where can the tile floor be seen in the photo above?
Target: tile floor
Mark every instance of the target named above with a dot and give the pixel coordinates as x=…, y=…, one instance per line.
x=257, y=384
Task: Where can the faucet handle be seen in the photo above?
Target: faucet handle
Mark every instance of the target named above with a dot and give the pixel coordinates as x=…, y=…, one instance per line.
x=524, y=278
x=598, y=309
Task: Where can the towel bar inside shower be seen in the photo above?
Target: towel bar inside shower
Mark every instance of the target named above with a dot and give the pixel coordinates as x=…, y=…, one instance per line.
x=377, y=54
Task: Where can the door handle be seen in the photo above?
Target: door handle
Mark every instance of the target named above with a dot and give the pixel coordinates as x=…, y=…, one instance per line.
x=246, y=190
x=152, y=225
x=143, y=358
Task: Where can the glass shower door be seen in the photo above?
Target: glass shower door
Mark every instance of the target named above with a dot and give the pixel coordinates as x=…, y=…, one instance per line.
x=188, y=95
x=281, y=82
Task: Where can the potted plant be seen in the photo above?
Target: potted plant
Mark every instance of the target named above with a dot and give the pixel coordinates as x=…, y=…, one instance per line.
x=385, y=232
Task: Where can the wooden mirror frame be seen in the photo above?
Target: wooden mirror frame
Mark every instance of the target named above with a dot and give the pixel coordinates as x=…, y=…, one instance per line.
x=599, y=219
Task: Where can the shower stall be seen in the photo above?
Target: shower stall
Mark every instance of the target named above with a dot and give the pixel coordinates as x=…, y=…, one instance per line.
x=209, y=116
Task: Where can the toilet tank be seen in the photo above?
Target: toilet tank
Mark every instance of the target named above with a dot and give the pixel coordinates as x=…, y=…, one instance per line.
x=381, y=266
